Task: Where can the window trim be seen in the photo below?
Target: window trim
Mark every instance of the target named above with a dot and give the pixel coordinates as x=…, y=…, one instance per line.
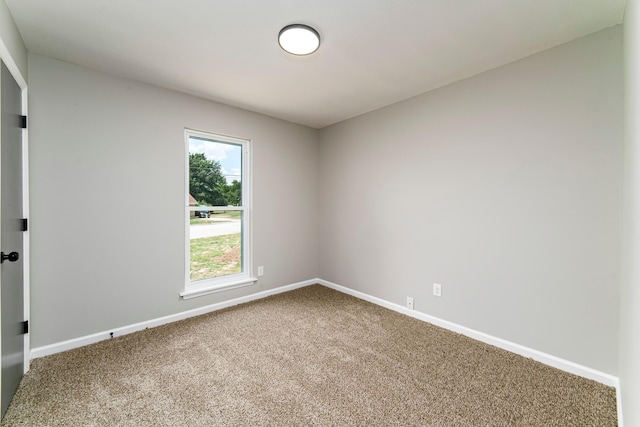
x=231, y=281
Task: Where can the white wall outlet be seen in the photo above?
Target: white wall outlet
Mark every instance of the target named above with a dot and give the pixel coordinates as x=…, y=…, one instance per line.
x=437, y=289
x=410, y=303
x=261, y=271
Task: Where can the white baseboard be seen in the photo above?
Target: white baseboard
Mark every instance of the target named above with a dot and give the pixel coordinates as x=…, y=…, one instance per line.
x=100, y=336
x=539, y=356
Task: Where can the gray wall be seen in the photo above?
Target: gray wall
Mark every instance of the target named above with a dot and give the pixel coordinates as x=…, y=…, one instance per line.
x=107, y=197
x=505, y=188
x=630, y=290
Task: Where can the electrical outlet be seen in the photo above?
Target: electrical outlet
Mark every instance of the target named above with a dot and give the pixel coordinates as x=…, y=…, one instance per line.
x=410, y=303
x=261, y=271
x=437, y=289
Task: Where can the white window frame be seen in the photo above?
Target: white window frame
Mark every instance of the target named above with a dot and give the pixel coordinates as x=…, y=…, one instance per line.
x=231, y=281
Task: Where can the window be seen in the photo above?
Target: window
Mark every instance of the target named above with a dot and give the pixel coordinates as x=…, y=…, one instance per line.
x=217, y=213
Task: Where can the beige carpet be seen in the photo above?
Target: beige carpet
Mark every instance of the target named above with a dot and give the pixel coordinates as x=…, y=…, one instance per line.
x=312, y=356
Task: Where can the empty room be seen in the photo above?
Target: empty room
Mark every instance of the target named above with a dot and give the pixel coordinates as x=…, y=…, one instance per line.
x=360, y=212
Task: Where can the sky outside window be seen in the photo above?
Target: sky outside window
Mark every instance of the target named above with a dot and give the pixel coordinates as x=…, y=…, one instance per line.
x=228, y=155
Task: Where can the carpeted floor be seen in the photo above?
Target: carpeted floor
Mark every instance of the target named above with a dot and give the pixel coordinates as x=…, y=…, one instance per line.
x=312, y=356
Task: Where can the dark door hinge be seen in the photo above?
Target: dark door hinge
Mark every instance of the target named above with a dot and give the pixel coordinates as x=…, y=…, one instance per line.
x=25, y=327
x=25, y=224
x=23, y=122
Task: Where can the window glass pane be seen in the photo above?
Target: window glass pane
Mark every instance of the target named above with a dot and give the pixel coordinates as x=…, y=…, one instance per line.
x=215, y=244
x=215, y=172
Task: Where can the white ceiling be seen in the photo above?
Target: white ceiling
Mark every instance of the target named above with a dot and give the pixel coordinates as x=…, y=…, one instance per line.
x=373, y=52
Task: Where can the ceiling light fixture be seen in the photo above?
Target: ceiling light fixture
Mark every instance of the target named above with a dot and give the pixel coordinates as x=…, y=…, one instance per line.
x=299, y=39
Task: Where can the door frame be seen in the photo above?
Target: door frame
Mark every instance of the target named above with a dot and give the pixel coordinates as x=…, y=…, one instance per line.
x=6, y=57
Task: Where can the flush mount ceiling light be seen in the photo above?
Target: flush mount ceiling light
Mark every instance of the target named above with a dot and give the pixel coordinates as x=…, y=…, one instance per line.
x=299, y=39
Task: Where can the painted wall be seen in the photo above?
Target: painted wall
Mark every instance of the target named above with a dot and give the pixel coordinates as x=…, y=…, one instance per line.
x=505, y=188
x=630, y=290
x=12, y=49
x=107, y=196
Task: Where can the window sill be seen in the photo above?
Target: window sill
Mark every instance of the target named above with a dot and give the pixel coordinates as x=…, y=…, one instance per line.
x=206, y=288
